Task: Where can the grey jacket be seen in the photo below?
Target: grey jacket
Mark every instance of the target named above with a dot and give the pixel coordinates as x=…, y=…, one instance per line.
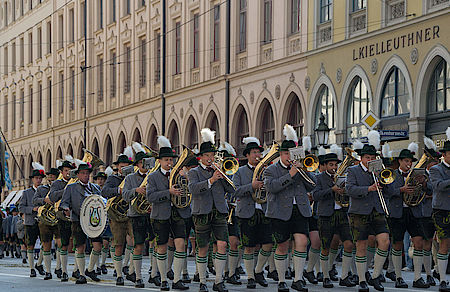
x=203, y=197
x=111, y=187
x=283, y=189
x=57, y=190
x=440, y=180
x=26, y=206
x=323, y=195
x=7, y=224
x=73, y=197
x=245, y=206
x=132, y=182
x=13, y=224
x=20, y=228
x=427, y=208
x=39, y=196
x=362, y=201
x=395, y=204
x=158, y=194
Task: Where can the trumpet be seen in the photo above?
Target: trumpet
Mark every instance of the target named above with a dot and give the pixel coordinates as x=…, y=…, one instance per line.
x=226, y=166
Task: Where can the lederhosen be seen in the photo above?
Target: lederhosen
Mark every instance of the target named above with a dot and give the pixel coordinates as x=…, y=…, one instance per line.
x=64, y=225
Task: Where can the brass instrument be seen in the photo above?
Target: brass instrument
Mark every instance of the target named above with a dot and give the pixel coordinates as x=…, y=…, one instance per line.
x=226, y=166
x=382, y=175
x=309, y=163
x=260, y=195
x=140, y=203
x=413, y=180
x=117, y=207
x=181, y=182
x=232, y=206
x=47, y=214
x=341, y=176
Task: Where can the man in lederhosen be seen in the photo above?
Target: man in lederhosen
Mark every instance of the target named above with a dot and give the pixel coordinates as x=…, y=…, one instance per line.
x=289, y=209
x=255, y=227
x=47, y=232
x=440, y=180
x=139, y=224
x=31, y=225
x=73, y=197
x=209, y=210
x=64, y=226
x=167, y=220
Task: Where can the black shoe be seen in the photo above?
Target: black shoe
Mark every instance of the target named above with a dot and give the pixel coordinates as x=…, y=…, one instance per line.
x=391, y=276
x=363, y=287
x=444, y=287
x=125, y=270
x=76, y=274
x=288, y=274
x=241, y=270
x=155, y=280
x=273, y=275
x=211, y=270
x=185, y=278
x=347, y=282
x=64, y=277
x=115, y=273
x=24, y=261
x=355, y=279
x=33, y=273
x=98, y=271
x=81, y=280
x=310, y=277
x=368, y=277
x=104, y=269
x=92, y=274
x=234, y=280
x=170, y=274
x=333, y=273
x=382, y=278
x=196, y=278
x=48, y=276
x=131, y=277
x=430, y=281
x=203, y=288
x=436, y=275
x=139, y=284
x=299, y=286
x=120, y=281
x=283, y=287
x=251, y=283
x=333, y=277
x=220, y=287
x=226, y=276
x=40, y=269
x=319, y=277
x=376, y=284
x=259, y=278
x=179, y=286
x=420, y=283
x=400, y=283
x=238, y=275
x=327, y=283
x=58, y=273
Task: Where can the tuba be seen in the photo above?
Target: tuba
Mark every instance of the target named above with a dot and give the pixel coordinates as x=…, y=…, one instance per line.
x=180, y=181
x=117, y=207
x=341, y=176
x=416, y=178
x=47, y=214
x=260, y=195
x=226, y=166
x=140, y=203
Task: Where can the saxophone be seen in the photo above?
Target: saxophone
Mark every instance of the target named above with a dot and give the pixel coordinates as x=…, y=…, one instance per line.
x=260, y=195
x=180, y=181
x=341, y=176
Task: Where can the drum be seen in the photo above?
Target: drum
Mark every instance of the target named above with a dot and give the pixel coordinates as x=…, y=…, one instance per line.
x=93, y=218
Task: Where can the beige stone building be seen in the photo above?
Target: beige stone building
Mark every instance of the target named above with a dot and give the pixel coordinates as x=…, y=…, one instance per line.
x=240, y=67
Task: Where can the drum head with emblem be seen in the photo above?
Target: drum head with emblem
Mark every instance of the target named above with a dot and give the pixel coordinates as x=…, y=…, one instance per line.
x=93, y=218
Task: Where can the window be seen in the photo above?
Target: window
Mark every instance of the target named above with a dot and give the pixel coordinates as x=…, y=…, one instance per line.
x=30, y=47
x=216, y=31
x=31, y=103
x=30, y=4
x=61, y=92
x=242, y=25
x=267, y=37
x=39, y=48
x=439, y=89
x=100, y=78
x=13, y=10
x=142, y=3
x=13, y=57
x=113, y=74
x=21, y=8
x=127, y=7
x=83, y=19
x=71, y=26
x=143, y=63
x=395, y=10
x=5, y=114
x=21, y=53
x=157, y=57
x=14, y=113
x=395, y=97
x=113, y=10
x=22, y=107
x=177, y=48
x=49, y=37
x=195, y=41
x=100, y=14
x=49, y=99
x=358, y=5
x=72, y=88
x=325, y=105
x=358, y=106
x=295, y=115
x=6, y=14
x=83, y=86
x=61, y=32
x=5, y=59
x=325, y=10
x=267, y=135
x=242, y=129
x=127, y=64
x=40, y=102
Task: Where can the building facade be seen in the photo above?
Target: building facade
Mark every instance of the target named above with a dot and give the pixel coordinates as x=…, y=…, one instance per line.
x=117, y=71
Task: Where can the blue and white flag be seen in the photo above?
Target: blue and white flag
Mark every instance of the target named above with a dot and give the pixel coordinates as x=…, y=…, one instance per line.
x=8, y=183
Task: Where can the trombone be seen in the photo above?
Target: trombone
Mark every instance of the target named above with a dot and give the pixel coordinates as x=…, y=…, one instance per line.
x=226, y=166
x=385, y=176
x=309, y=163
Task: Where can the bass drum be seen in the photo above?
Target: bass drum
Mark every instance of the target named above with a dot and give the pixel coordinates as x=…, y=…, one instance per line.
x=93, y=218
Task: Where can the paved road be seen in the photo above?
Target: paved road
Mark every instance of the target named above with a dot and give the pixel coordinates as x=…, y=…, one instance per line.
x=14, y=276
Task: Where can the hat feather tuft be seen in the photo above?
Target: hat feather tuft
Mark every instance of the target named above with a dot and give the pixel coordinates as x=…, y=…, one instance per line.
x=357, y=144
x=109, y=171
x=69, y=158
x=374, y=139
x=386, y=150
x=413, y=147
x=138, y=147
x=208, y=135
x=306, y=142
x=247, y=140
x=227, y=147
x=290, y=133
x=429, y=143
x=37, y=166
x=322, y=151
x=128, y=151
x=163, y=142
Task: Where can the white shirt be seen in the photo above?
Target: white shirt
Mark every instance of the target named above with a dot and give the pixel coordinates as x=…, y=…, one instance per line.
x=34, y=188
x=257, y=206
x=445, y=163
x=364, y=167
x=164, y=171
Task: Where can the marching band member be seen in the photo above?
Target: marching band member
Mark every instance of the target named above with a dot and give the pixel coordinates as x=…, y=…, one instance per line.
x=31, y=225
x=140, y=224
x=100, y=179
x=365, y=214
x=47, y=232
x=209, y=210
x=166, y=218
x=73, y=197
x=440, y=180
x=289, y=210
x=255, y=227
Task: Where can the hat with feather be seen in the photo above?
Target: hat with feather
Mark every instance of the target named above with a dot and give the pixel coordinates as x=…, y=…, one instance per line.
x=446, y=143
x=165, y=148
x=68, y=162
x=227, y=149
x=321, y=155
x=140, y=153
x=291, y=139
x=208, y=138
x=81, y=165
x=38, y=170
x=100, y=174
x=251, y=143
x=126, y=156
x=413, y=148
x=336, y=151
x=373, y=139
x=431, y=147
x=192, y=161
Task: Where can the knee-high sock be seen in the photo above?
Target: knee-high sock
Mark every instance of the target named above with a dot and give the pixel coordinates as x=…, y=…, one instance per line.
x=233, y=257
x=154, y=264
x=185, y=267
x=280, y=264
x=370, y=255
x=391, y=263
x=170, y=255
x=313, y=256
x=178, y=263
x=225, y=268
x=137, y=262
x=48, y=261
x=81, y=262
x=104, y=255
x=150, y=255
x=221, y=260
x=41, y=257
x=353, y=266
x=361, y=263
x=127, y=257
x=442, y=260
x=93, y=259
x=117, y=260
x=418, y=261
x=75, y=266
x=255, y=258
x=332, y=257
x=249, y=263
x=162, y=265
x=63, y=255
x=30, y=254
x=202, y=262
x=241, y=254
x=324, y=259
x=299, y=263
x=427, y=262
x=380, y=258
x=346, y=263
x=434, y=252
x=131, y=267
x=58, y=258
x=263, y=256
x=288, y=260
x=397, y=261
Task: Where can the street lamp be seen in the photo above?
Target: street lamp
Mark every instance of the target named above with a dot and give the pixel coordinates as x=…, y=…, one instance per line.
x=322, y=131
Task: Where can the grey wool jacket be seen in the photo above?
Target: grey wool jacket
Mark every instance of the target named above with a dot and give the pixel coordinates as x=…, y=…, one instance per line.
x=57, y=190
x=74, y=195
x=41, y=193
x=26, y=206
x=111, y=187
x=440, y=180
x=132, y=182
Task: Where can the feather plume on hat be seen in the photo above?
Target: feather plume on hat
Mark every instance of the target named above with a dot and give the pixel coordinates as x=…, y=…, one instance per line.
x=374, y=139
x=429, y=143
x=336, y=150
x=138, y=147
x=386, y=150
x=69, y=158
x=290, y=133
x=447, y=133
x=128, y=151
x=322, y=151
x=208, y=135
x=306, y=142
x=78, y=162
x=37, y=166
x=227, y=147
x=195, y=150
x=413, y=147
x=163, y=142
x=357, y=144
x=58, y=163
x=109, y=171
x=247, y=140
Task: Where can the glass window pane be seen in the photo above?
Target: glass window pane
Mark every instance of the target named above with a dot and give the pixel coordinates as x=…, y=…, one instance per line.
x=447, y=105
x=440, y=76
x=440, y=100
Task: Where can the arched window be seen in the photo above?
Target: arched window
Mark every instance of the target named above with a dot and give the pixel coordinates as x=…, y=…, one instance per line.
x=213, y=123
x=70, y=150
x=174, y=137
x=80, y=152
x=152, y=138
x=191, y=133
x=49, y=162
x=108, y=152
x=95, y=148
x=395, y=100
x=59, y=153
x=242, y=129
x=137, y=135
x=39, y=158
x=439, y=89
x=357, y=107
x=30, y=166
x=295, y=114
x=267, y=122
x=122, y=143
x=325, y=105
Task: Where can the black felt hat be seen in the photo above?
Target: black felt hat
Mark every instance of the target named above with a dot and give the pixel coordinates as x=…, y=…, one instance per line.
x=406, y=153
x=53, y=171
x=37, y=172
x=84, y=166
x=368, y=149
x=331, y=157
x=446, y=147
x=100, y=174
x=68, y=164
x=166, y=152
x=139, y=156
x=123, y=159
